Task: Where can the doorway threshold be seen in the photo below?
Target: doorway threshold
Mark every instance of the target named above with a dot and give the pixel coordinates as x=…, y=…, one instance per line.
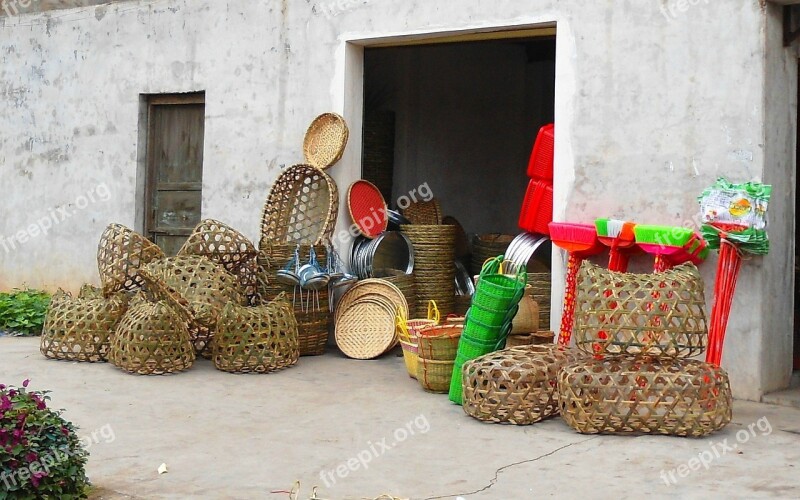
x=786, y=397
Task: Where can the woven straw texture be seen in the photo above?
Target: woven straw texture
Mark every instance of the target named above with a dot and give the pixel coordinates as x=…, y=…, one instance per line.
x=656, y=314
x=312, y=331
x=404, y=282
x=434, y=271
x=151, y=339
x=325, y=140
x=219, y=243
x=487, y=246
x=80, y=328
x=366, y=328
x=302, y=207
x=120, y=254
x=541, y=286
x=439, y=343
x=434, y=376
x=195, y=287
x=257, y=339
x=428, y=213
x=542, y=337
x=373, y=288
x=515, y=386
x=645, y=395
x=247, y=276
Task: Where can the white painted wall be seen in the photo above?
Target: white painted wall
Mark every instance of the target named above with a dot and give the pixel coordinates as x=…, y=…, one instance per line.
x=651, y=106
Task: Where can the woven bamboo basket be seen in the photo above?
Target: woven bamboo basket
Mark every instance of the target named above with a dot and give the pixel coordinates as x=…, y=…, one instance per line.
x=439, y=343
x=541, y=288
x=487, y=246
x=527, y=318
x=220, y=244
x=80, y=328
x=434, y=376
x=247, y=277
x=515, y=386
x=655, y=314
x=120, y=254
x=542, y=337
x=256, y=339
x=89, y=291
x=151, y=339
x=633, y=394
x=312, y=332
x=325, y=140
x=424, y=212
x=197, y=288
x=302, y=207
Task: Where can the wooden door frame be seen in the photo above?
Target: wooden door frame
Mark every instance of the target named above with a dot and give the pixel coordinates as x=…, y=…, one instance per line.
x=153, y=100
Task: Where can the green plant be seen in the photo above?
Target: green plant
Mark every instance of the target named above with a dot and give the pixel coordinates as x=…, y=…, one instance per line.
x=22, y=311
x=40, y=454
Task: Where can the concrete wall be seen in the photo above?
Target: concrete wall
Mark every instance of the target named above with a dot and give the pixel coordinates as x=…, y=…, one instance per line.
x=652, y=104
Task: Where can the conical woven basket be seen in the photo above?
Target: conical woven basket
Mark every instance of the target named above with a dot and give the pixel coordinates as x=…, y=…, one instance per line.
x=256, y=339
x=197, y=288
x=627, y=394
x=120, y=254
x=151, y=339
x=80, y=328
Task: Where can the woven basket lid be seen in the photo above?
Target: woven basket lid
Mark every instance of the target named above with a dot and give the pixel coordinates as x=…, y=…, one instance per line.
x=325, y=140
x=373, y=286
x=366, y=329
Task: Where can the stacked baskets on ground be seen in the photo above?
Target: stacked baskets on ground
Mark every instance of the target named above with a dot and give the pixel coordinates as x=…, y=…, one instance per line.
x=433, y=265
x=488, y=246
x=488, y=321
x=408, y=334
x=641, y=329
x=404, y=282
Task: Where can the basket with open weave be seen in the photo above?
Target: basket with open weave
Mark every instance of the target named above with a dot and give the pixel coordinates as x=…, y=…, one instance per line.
x=120, y=254
x=639, y=394
x=302, y=207
x=197, y=288
x=80, y=328
x=656, y=314
x=151, y=339
x=256, y=339
x=515, y=386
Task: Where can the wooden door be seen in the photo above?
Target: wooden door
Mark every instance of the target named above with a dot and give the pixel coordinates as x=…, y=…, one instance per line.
x=175, y=168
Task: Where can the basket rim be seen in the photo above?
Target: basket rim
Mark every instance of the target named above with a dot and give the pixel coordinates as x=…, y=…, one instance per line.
x=322, y=122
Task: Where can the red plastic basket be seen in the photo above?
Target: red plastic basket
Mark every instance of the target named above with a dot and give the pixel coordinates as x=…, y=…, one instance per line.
x=367, y=208
x=540, y=165
x=537, y=208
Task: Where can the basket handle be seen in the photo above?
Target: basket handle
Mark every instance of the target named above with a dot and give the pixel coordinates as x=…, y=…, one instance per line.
x=402, y=326
x=433, y=311
x=492, y=265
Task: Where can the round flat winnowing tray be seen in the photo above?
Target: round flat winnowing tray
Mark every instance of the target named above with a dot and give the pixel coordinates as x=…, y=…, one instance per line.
x=366, y=329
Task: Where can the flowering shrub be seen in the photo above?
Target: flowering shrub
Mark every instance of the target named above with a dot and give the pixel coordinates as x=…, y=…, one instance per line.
x=40, y=454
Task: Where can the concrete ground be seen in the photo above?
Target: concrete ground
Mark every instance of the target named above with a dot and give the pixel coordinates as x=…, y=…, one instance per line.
x=359, y=429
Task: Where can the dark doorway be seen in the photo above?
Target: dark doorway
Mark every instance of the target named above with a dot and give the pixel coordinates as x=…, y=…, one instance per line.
x=175, y=128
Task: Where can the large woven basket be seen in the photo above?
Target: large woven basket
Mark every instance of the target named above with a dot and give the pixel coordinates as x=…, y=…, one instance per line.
x=424, y=212
x=487, y=246
x=630, y=394
x=325, y=140
x=404, y=282
x=80, y=328
x=272, y=258
x=120, y=254
x=195, y=287
x=256, y=339
x=541, y=289
x=302, y=207
x=313, y=329
x=151, y=339
x=625, y=313
x=515, y=386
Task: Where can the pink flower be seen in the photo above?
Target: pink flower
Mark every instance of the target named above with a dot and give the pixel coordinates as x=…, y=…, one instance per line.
x=36, y=478
x=26, y=382
x=31, y=456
